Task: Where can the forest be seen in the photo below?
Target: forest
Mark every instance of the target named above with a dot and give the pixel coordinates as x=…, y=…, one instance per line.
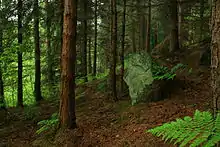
x=109, y=73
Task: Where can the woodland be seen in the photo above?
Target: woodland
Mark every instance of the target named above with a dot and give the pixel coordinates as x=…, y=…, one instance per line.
x=109, y=73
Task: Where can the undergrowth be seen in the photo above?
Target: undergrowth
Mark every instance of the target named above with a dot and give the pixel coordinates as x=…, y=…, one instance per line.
x=48, y=125
x=203, y=129
x=164, y=73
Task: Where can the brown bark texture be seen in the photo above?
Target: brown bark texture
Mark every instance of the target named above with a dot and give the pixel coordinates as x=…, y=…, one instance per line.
x=84, y=53
x=37, y=84
x=95, y=45
x=123, y=46
x=68, y=59
x=215, y=51
x=114, y=49
x=19, y=53
x=2, y=100
x=174, y=42
x=50, y=75
x=148, y=26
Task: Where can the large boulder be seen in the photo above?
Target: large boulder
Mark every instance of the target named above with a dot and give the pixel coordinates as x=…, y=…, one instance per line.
x=148, y=81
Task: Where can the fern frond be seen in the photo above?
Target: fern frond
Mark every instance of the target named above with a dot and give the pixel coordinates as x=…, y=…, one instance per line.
x=202, y=129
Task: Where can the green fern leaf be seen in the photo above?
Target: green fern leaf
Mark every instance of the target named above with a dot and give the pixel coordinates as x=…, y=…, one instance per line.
x=200, y=129
x=189, y=138
x=213, y=141
x=199, y=140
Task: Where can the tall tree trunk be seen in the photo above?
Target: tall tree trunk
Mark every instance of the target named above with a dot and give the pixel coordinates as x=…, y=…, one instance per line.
x=114, y=48
x=37, y=84
x=139, y=24
x=84, y=53
x=156, y=34
x=50, y=75
x=201, y=18
x=90, y=57
x=148, y=27
x=174, y=42
x=123, y=46
x=180, y=22
x=61, y=22
x=20, y=66
x=133, y=37
x=215, y=49
x=68, y=61
x=143, y=32
x=2, y=100
x=95, y=45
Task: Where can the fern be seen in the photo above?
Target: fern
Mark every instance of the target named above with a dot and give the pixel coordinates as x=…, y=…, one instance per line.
x=202, y=129
x=49, y=124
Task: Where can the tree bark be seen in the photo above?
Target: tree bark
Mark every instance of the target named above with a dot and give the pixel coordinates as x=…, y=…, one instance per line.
x=84, y=63
x=2, y=99
x=95, y=45
x=19, y=53
x=37, y=84
x=123, y=46
x=61, y=22
x=50, y=75
x=114, y=49
x=156, y=34
x=180, y=22
x=90, y=57
x=215, y=50
x=201, y=18
x=133, y=37
x=148, y=27
x=68, y=61
x=143, y=32
x=174, y=42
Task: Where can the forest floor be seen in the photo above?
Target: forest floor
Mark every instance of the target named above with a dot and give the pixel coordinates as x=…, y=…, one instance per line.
x=101, y=122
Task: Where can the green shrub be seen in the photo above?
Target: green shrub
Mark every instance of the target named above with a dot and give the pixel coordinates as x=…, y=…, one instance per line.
x=164, y=73
x=48, y=125
x=202, y=129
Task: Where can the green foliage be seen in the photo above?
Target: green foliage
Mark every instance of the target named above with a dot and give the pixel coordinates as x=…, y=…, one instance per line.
x=164, y=73
x=102, y=86
x=48, y=125
x=202, y=129
x=91, y=77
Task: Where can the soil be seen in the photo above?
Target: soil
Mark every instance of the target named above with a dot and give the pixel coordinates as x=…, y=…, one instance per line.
x=104, y=123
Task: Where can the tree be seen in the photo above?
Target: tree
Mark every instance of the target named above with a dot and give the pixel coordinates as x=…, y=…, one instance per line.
x=133, y=36
x=84, y=63
x=174, y=42
x=68, y=59
x=95, y=45
x=123, y=45
x=2, y=100
x=90, y=57
x=37, y=84
x=148, y=26
x=114, y=49
x=215, y=49
x=180, y=17
x=202, y=3
x=50, y=75
x=19, y=52
x=156, y=34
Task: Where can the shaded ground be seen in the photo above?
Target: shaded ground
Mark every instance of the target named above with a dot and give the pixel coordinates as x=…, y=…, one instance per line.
x=102, y=122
